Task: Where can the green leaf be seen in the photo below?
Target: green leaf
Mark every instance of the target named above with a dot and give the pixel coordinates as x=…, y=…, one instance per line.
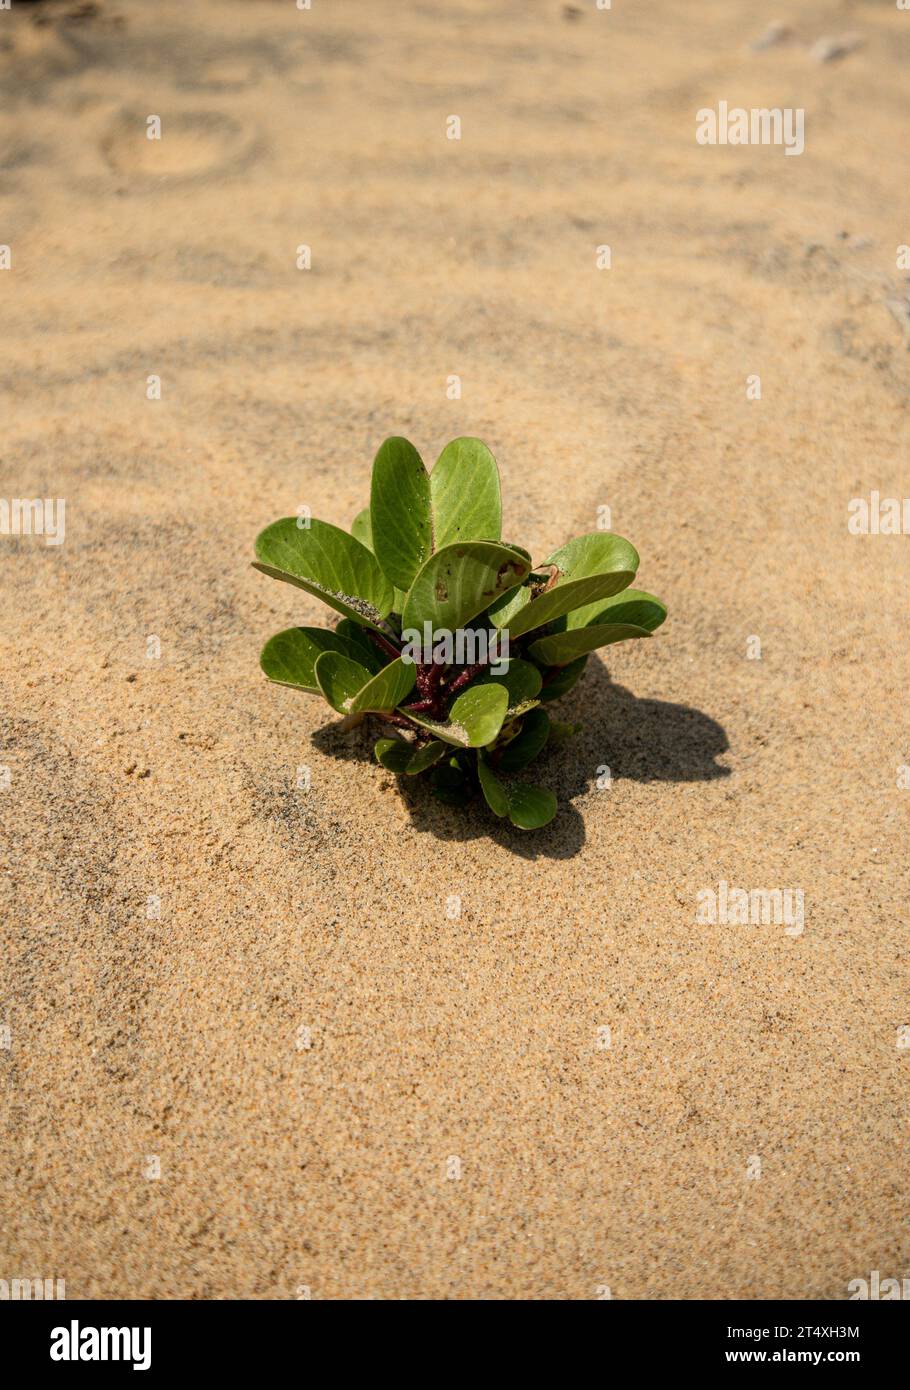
x=400, y=756
x=362, y=649
x=504, y=610
x=562, y=683
x=351, y=689
x=362, y=529
x=329, y=563
x=289, y=658
x=530, y=807
x=525, y=747
x=527, y=807
x=632, y=606
x=522, y=680
x=590, y=567
x=459, y=581
x=386, y=689
x=464, y=494
x=400, y=511
x=564, y=647
x=394, y=753
x=474, y=719
x=497, y=798
x=426, y=755
x=339, y=678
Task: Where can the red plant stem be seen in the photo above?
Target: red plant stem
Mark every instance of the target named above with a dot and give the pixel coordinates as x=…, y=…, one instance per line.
x=383, y=643
x=429, y=677
x=434, y=691
x=464, y=677
x=399, y=721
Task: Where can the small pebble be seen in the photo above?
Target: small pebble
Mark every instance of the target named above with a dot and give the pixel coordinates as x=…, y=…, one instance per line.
x=828, y=50
x=774, y=34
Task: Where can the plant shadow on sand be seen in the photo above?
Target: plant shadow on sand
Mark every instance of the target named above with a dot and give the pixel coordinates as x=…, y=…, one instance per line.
x=644, y=740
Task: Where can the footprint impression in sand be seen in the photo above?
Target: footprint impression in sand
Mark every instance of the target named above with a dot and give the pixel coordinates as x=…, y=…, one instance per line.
x=192, y=145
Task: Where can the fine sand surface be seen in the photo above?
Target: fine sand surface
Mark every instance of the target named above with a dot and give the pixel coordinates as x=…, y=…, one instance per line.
x=178, y=1038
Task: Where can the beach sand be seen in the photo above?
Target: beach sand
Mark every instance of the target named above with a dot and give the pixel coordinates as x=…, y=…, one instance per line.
x=303, y=1040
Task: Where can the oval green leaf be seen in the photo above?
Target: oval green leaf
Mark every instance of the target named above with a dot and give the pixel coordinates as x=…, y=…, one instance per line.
x=394, y=753
x=289, y=658
x=526, y=745
x=590, y=567
x=474, y=720
x=362, y=648
x=425, y=756
x=327, y=562
x=460, y=581
x=495, y=794
x=522, y=680
x=339, y=678
x=464, y=494
x=562, y=683
x=362, y=530
x=632, y=606
x=386, y=689
x=400, y=511
x=564, y=647
x=530, y=807
x=400, y=756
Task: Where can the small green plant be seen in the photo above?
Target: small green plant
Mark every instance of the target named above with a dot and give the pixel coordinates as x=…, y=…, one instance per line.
x=448, y=634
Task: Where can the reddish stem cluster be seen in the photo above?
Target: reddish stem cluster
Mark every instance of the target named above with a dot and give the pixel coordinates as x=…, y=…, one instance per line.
x=435, y=686
x=432, y=691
